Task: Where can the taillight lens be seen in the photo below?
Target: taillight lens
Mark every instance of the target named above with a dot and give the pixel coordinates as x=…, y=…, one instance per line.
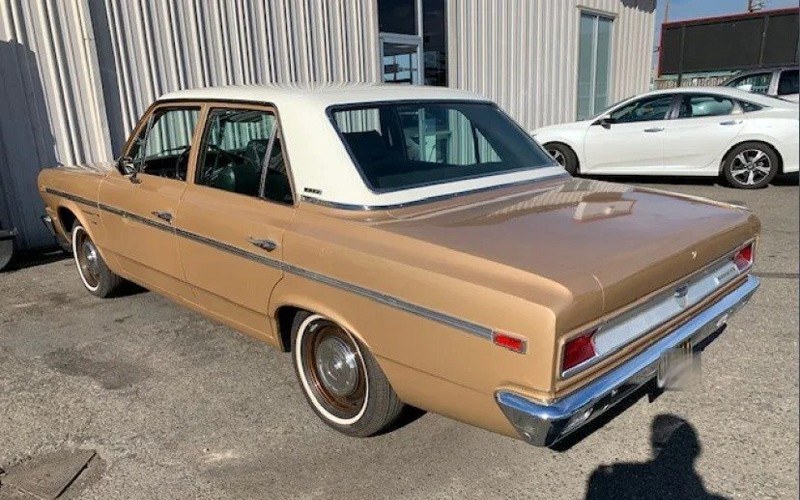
x=578, y=350
x=744, y=258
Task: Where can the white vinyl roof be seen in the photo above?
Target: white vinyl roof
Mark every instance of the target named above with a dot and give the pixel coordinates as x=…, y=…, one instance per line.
x=321, y=166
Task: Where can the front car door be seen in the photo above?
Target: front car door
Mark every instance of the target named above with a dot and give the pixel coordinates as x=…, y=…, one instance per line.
x=629, y=138
x=704, y=128
x=140, y=211
x=233, y=215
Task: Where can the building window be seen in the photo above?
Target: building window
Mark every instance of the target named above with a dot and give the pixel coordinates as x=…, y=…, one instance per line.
x=413, y=36
x=594, y=64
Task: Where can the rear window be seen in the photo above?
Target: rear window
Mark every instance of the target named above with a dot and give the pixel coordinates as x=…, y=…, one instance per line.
x=401, y=145
x=788, y=83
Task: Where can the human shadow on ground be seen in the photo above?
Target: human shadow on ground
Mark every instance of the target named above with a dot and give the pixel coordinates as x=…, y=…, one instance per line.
x=669, y=474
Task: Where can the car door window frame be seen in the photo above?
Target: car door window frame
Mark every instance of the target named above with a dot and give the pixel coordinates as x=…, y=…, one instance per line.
x=675, y=114
x=276, y=134
x=145, y=123
x=671, y=110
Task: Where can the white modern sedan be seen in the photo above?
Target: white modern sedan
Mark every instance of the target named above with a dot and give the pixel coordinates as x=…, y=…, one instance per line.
x=697, y=131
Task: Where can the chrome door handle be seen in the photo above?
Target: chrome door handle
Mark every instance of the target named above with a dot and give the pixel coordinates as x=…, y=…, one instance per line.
x=730, y=122
x=166, y=216
x=654, y=129
x=267, y=245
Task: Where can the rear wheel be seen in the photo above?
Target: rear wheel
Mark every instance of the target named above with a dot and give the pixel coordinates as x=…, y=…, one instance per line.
x=341, y=380
x=564, y=155
x=750, y=165
x=92, y=269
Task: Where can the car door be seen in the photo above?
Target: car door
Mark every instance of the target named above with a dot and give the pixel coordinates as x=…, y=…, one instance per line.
x=704, y=128
x=139, y=210
x=629, y=139
x=234, y=213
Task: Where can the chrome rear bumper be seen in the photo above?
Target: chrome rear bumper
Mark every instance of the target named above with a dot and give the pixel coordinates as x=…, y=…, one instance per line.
x=545, y=424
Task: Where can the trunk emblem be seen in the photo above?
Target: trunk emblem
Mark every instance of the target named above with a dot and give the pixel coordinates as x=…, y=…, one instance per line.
x=681, y=295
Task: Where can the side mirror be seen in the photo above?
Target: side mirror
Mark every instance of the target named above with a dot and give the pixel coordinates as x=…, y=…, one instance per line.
x=127, y=168
x=604, y=121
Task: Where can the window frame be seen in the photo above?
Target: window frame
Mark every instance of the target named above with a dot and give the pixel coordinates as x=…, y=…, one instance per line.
x=676, y=109
x=330, y=110
x=277, y=131
x=667, y=116
x=595, y=15
x=144, y=124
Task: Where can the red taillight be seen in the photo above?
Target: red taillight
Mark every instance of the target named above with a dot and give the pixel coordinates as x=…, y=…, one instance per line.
x=578, y=350
x=515, y=344
x=744, y=258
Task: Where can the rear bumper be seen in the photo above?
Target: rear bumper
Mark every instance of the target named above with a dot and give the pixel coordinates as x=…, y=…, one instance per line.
x=49, y=224
x=545, y=424
x=7, y=234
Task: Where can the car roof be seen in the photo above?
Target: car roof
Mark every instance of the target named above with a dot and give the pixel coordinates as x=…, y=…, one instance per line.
x=734, y=93
x=321, y=94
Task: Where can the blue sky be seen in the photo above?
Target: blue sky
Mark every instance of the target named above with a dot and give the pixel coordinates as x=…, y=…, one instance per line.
x=688, y=9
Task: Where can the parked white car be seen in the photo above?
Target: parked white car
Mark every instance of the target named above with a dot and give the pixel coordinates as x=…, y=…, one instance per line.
x=698, y=131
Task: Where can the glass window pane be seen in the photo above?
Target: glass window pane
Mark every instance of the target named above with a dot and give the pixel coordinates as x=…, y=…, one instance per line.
x=233, y=151
x=434, y=41
x=705, y=105
x=400, y=63
x=758, y=82
x=585, y=70
x=642, y=110
x=163, y=148
x=434, y=142
x=788, y=84
x=603, y=65
x=397, y=16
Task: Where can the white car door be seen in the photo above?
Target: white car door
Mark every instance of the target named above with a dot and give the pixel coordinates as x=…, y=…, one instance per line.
x=629, y=139
x=702, y=131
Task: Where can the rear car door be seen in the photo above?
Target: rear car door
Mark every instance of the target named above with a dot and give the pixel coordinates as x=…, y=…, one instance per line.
x=234, y=213
x=139, y=211
x=704, y=128
x=629, y=139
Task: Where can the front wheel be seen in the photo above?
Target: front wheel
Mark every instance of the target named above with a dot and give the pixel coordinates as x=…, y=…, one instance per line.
x=341, y=380
x=750, y=165
x=92, y=269
x=564, y=156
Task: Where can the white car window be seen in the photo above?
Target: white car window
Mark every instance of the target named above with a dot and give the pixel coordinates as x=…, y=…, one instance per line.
x=642, y=110
x=698, y=105
x=756, y=82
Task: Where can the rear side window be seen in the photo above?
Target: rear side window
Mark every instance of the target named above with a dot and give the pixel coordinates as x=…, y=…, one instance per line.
x=749, y=106
x=788, y=84
x=695, y=106
x=757, y=82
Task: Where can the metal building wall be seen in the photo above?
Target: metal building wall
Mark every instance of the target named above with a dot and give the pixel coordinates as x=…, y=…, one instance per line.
x=76, y=75
x=524, y=53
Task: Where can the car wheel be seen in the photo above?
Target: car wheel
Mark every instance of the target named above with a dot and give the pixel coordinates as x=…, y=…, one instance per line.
x=564, y=155
x=341, y=380
x=750, y=165
x=94, y=273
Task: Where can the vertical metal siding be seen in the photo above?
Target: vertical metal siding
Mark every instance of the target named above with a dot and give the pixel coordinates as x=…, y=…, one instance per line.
x=75, y=76
x=524, y=54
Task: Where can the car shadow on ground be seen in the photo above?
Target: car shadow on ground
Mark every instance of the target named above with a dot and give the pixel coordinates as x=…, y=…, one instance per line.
x=25, y=260
x=669, y=474
x=780, y=180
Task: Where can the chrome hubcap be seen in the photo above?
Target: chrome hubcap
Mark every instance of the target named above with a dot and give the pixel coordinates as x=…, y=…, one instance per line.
x=337, y=366
x=557, y=156
x=750, y=167
x=88, y=260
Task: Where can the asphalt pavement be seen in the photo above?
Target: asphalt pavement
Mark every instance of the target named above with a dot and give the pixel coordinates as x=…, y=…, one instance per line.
x=176, y=406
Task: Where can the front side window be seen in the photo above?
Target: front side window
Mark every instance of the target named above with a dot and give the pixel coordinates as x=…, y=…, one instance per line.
x=788, y=84
x=241, y=152
x=163, y=146
x=643, y=110
x=403, y=145
x=594, y=64
x=756, y=82
x=695, y=106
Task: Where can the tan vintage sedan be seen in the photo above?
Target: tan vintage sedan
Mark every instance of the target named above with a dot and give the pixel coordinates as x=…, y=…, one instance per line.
x=408, y=246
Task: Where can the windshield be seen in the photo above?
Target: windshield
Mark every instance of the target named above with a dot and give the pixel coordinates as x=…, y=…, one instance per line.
x=400, y=145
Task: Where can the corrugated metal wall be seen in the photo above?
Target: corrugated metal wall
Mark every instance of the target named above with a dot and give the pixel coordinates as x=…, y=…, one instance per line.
x=524, y=53
x=76, y=75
